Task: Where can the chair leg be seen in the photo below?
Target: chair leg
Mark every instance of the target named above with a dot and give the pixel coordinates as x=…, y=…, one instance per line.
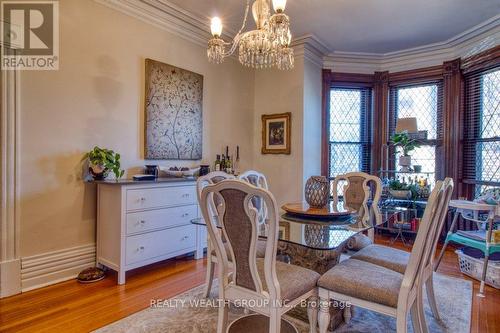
x=275, y=321
x=222, y=320
x=401, y=322
x=421, y=312
x=324, y=315
x=312, y=313
x=209, y=276
x=429, y=287
x=415, y=319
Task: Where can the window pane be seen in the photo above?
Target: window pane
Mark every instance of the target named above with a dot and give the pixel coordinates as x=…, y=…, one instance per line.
x=488, y=161
x=490, y=116
x=420, y=102
x=345, y=115
x=344, y=158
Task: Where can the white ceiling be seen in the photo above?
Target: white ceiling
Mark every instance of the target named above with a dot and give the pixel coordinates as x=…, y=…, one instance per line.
x=372, y=26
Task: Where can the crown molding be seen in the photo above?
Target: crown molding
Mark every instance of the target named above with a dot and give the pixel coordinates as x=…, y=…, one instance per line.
x=465, y=44
x=310, y=48
x=167, y=16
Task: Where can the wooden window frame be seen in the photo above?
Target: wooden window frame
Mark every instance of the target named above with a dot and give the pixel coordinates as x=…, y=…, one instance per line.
x=338, y=80
x=481, y=62
x=451, y=73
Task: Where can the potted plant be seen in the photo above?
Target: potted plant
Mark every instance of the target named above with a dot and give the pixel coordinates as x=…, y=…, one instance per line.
x=400, y=190
x=101, y=161
x=406, y=146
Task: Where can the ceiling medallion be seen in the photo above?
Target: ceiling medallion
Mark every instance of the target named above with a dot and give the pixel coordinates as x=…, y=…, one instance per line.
x=265, y=47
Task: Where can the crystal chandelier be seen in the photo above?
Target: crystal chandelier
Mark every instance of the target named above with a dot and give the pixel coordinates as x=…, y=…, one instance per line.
x=267, y=46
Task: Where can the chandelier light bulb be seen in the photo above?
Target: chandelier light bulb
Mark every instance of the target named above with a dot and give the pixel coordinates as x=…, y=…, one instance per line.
x=216, y=27
x=279, y=5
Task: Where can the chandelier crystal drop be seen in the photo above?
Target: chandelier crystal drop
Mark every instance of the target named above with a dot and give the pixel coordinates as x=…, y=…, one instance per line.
x=266, y=46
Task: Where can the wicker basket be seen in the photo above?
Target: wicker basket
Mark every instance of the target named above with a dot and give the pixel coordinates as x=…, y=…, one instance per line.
x=474, y=268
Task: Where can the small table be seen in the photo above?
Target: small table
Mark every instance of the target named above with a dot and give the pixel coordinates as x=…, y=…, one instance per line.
x=314, y=238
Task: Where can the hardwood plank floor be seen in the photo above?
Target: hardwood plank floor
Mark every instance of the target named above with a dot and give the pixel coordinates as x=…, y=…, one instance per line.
x=74, y=307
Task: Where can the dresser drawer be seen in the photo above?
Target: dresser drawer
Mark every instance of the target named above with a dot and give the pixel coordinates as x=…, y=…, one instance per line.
x=160, y=218
x=159, y=243
x=160, y=197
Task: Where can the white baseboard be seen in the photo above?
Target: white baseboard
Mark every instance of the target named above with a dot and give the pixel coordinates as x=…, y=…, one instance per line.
x=49, y=268
x=10, y=272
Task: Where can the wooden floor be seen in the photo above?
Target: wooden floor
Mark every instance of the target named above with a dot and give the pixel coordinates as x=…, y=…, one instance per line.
x=74, y=307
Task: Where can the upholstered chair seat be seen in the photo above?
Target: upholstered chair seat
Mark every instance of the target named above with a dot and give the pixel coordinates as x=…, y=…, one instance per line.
x=261, y=249
x=294, y=280
x=365, y=281
x=384, y=256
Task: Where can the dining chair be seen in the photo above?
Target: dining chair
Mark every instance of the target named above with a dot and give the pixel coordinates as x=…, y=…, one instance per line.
x=397, y=260
x=270, y=287
x=209, y=179
x=378, y=288
x=357, y=192
x=259, y=180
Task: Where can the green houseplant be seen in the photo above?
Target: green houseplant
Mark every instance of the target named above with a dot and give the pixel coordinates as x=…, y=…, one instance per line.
x=400, y=190
x=101, y=161
x=406, y=146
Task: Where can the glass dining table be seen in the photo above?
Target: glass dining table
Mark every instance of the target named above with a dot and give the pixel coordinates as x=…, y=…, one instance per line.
x=314, y=241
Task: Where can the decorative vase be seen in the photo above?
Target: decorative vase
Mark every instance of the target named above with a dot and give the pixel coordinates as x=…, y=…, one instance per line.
x=404, y=163
x=316, y=191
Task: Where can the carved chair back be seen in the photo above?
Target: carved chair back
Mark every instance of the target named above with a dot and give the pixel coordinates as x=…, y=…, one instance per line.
x=209, y=179
x=356, y=194
x=239, y=222
x=259, y=180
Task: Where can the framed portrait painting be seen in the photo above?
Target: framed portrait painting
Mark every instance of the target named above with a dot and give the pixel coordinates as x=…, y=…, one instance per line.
x=276, y=133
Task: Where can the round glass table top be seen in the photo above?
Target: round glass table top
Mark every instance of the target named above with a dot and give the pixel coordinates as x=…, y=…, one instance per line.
x=318, y=234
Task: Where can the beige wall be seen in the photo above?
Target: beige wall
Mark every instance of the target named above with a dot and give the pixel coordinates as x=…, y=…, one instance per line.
x=278, y=92
x=297, y=91
x=96, y=98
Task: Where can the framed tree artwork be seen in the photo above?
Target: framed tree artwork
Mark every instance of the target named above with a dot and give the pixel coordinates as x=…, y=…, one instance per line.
x=173, y=113
x=276, y=133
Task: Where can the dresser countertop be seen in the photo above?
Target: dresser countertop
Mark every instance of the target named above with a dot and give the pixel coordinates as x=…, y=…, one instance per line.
x=156, y=181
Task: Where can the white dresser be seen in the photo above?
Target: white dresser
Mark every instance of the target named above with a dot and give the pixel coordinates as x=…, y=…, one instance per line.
x=139, y=223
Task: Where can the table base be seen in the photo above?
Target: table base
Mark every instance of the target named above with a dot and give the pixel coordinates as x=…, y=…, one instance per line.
x=319, y=261
x=256, y=323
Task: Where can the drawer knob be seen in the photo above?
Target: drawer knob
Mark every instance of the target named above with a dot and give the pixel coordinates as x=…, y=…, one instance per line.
x=185, y=215
x=185, y=237
x=185, y=195
x=141, y=248
x=143, y=199
x=143, y=222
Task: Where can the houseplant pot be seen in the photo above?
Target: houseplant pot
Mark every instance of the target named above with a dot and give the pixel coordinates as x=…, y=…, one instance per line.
x=400, y=194
x=98, y=171
x=101, y=161
x=405, y=163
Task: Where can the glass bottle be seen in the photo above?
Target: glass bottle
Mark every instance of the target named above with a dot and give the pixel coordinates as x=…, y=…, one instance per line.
x=217, y=163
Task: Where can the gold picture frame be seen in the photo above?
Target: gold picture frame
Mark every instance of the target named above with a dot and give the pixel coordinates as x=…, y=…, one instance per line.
x=276, y=133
